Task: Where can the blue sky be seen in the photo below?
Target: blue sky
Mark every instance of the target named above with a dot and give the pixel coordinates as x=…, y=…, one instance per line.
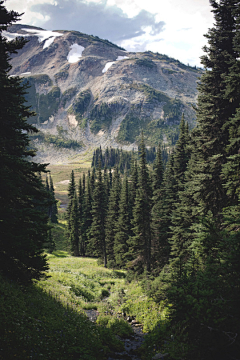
x=170, y=27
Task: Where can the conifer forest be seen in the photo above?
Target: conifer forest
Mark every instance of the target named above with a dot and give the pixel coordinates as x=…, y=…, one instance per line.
x=167, y=217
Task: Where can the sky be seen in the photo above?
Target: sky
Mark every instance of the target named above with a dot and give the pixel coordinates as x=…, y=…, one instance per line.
x=172, y=27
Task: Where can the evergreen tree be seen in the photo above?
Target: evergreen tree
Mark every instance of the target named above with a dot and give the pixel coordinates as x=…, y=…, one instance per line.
x=80, y=214
x=23, y=223
x=71, y=194
x=54, y=210
x=157, y=171
x=97, y=230
x=215, y=107
x=50, y=244
x=106, y=183
x=71, y=186
x=162, y=218
x=140, y=242
x=133, y=186
x=73, y=226
x=110, y=178
x=123, y=227
x=202, y=290
x=72, y=216
x=87, y=218
x=83, y=183
x=181, y=156
x=181, y=212
x=112, y=216
x=49, y=209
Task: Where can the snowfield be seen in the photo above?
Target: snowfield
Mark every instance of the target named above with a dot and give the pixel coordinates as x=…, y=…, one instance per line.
x=75, y=53
x=109, y=64
x=122, y=58
x=11, y=36
x=42, y=35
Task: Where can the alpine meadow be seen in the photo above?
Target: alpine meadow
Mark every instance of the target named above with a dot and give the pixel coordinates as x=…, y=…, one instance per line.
x=123, y=252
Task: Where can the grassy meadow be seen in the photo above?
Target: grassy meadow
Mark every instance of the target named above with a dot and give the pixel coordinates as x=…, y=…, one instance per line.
x=48, y=320
x=61, y=175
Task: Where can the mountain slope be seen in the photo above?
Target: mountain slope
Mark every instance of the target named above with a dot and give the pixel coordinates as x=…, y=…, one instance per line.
x=85, y=89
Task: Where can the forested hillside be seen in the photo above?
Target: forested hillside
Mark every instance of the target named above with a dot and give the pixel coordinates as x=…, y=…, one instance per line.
x=180, y=225
x=167, y=219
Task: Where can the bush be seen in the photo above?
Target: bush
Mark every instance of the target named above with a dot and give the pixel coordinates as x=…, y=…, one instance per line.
x=117, y=326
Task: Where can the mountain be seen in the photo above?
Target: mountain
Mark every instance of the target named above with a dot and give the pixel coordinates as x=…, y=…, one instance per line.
x=89, y=92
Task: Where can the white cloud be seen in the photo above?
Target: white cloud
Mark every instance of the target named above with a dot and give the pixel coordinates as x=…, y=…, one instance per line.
x=181, y=37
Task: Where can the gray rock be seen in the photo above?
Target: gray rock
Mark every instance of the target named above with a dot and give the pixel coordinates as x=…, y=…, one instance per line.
x=143, y=86
x=159, y=356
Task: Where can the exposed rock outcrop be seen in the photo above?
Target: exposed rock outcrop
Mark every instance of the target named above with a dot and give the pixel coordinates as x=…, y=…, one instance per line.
x=98, y=93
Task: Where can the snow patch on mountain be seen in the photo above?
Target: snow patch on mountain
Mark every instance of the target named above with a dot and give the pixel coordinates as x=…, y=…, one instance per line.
x=43, y=35
x=122, y=58
x=109, y=64
x=11, y=36
x=75, y=53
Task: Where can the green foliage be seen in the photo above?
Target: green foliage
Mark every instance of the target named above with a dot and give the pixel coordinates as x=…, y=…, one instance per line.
x=112, y=215
x=59, y=237
x=140, y=243
x=40, y=79
x=97, y=230
x=101, y=117
x=34, y=323
x=48, y=104
x=170, y=60
x=169, y=71
x=154, y=130
x=79, y=107
x=145, y=309
x=32, y=98
x=59, y=141
x=122, y=227
x=130, y=128
x=92, y=38
x=146, y=62
x=117, y=326
x=24, y=200
x=68, y=95
x=61, y=75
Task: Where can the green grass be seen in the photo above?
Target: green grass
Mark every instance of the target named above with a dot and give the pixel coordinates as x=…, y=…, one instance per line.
x=59, y=237
x=60, y=173
x=47, y=320
x=35, y=324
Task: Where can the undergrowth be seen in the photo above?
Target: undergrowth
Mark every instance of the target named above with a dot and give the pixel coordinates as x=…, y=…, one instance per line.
x=48, y=321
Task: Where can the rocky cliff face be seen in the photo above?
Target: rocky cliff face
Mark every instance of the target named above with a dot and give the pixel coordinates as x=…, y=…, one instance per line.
x=85, y=89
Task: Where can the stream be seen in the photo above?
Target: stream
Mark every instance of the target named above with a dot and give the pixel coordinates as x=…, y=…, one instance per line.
x=131, y=344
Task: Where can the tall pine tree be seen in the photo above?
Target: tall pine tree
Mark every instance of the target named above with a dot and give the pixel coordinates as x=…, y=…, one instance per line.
x=122, y=227
x=97, y=231
x=112, y=216
x=23, y=222
x=140, y=242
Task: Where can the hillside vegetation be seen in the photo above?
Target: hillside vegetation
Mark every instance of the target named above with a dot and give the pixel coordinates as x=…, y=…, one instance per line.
x=48, y=321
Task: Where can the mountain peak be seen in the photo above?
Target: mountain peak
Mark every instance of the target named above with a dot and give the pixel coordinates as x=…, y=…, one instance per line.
x=100, y=94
